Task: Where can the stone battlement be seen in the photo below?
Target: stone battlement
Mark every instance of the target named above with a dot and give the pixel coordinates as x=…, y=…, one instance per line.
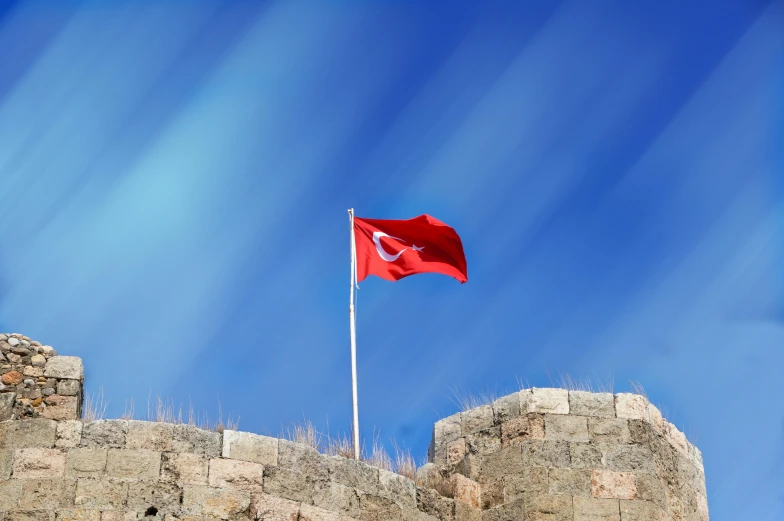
x=538, y=454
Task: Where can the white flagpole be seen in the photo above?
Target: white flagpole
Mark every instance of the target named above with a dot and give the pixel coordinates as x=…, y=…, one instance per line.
x=353, y=335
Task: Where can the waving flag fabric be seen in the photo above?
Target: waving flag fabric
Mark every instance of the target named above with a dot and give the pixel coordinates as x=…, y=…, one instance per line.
x=395, y=249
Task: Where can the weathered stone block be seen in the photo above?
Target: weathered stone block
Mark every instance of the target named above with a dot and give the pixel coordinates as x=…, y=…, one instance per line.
x=456, y=451
x=484, y=442
x=651, y=488
x=184, y=468
x=302, y=458
x=631, y=406
x=338, y=498
x=118, y=515
x=586, y=455
x=86, y=462
x=632, y=458
x=591, y=509
x=38, y=463
x=506, y=462
x=545, y=453
x=244, y=475
x=531, y=481
x=149, y=435
x=508, y=408
x=513, y=511
x=610, y=484
x=553, y=401
x=551, y=508
x=250, y=447
x=69, y=387
x=61, y=407
x=465, y=512
x=188, y=438
x=476, y=420
x=264, y=507
x=37, y=432
x=657, y=421
x=466, y=490
x=78, y=515
x=571, y=482
x=432, y=503
x=527, y=427
x=446, y=430
x=565, y=428
x=591, y=404
x=641, y=511
x=609, y=430
x=7, y=402
x=133, y=464
x=165, y=497
x=100, y=493
x=49, y=494
x=353, y=473
x=399, y=489
x=289, y=484
x=10, y=493
x=311, y=513
x=676, y=438
x=104, y=434
x=69, y=434
x=68, y=367
x=641, y=431
x=223, y=503
x=29, y=515
x=378, y=508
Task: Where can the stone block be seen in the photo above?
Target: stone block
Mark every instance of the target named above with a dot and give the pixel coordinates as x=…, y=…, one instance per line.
x=86, y=463
x=10, y=493
x=102, y=494
x=641, y=511
x=476, y=419
x=64, y=367
x=508, y=408
x=432, y=503
x=7, y=402
x=465, y=512
x=553, y=401
x=38, y=463
x=591, y=404
x=338, y=498
x=657, y=420
x=456, y=451
x=312, y=513
x=47, y=494
x=545, y=453
x=133, y=464
x=446, y=430
x=466, y=490
x=165, y=497
x=514, y=511
x=551, y=508
x=61, y=408
x=69, y=434
x=289, y=484
x=613, y=485
x=104, y=434
x=6, y=463
x=651, y=488
x=189, y=438
x=352, y=473
x=527, y=427
x=631, y=406
x=506, y=462
x=586, y=455
x=149, y=435
x=565, y=428
x=69, y=387
x=296, y=456
x=641, y=431
x=398, y=488
x=378, y=508
x=591, y=509
x=118, y=515
x=223, y=503
x=630, y=458
x=269, y=508
x=483, y=442
x=29, y=515
x=244, y=475
x=184, y=468
x=609, y=430
x=78, y=515
x=250, y=447
x=571, y=482
x=38, y=432
x=676, y=438
x=531, y=481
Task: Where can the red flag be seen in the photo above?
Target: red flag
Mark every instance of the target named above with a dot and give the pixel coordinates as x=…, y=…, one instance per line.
x=396, y=249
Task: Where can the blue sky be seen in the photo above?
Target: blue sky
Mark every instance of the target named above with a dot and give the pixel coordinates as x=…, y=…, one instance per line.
x=175, y=179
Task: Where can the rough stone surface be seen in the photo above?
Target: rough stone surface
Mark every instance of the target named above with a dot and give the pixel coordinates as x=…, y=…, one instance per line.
x=133, y=464
x=149, y=435
x=590, y=509
x=187, y=438
x=69, y=434
x=7, y=402
x=38, y=463
x=631, y=406
x=553, y=401
x=250, y=447
x=184, y=468
x=528, y=427
x=591, y=404
x=86, y=463
x=572, y=482
x=609, y=484
x=565, y=428
x=69, y=367
x=476, y=419
x=104, y=434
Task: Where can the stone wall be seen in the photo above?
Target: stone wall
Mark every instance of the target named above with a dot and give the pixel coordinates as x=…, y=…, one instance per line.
x=540, y=454
x=35, y=382
x=577, y=456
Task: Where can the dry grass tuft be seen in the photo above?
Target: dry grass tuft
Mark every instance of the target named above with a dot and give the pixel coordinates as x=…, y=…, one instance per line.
x=591, y=384
x=94, y=406
x=637, y=388
x=304, y=433
x=467, y=400
x=439, y=482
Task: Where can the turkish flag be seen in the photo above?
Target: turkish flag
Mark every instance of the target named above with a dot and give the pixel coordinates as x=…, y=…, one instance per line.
x=396, y=249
